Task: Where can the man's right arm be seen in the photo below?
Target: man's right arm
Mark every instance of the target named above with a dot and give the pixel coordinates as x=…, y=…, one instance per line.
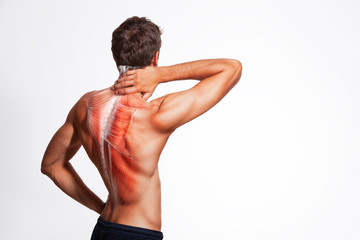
x=217, y=77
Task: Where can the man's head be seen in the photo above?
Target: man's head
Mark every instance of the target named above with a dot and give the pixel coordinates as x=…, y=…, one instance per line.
x=136, y=42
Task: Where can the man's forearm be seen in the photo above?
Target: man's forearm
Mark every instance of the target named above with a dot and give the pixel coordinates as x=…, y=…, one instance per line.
x=197, y=70
x=66, y=178
x=145, y=80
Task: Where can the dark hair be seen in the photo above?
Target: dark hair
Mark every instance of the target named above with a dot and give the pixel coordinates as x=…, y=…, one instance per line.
x=135, y=42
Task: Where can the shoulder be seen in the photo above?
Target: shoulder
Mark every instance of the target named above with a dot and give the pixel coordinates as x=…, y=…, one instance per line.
x=157, y=102
x=78, y=113
x=156, y=120
x=155, y=107
x=80, y=105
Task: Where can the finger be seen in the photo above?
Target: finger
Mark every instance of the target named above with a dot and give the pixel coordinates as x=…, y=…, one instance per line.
x=123, y=84
x=124, y=91
x=125, y=78
x=146, y=96
x=129, y=73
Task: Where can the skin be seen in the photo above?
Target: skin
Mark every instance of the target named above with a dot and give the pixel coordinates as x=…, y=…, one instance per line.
x=136, y=200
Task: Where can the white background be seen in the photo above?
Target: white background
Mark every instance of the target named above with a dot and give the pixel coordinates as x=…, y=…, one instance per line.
x=277, y=158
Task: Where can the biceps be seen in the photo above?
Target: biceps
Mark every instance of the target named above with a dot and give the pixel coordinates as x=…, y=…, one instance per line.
x=62, y=147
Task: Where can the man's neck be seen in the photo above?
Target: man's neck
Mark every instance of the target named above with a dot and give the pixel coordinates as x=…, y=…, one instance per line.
x=124, y=68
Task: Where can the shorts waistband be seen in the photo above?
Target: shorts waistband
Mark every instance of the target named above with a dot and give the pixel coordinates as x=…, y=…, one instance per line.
x=130, y=229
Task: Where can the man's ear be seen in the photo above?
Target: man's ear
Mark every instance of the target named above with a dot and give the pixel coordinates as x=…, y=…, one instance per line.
x=154, y=60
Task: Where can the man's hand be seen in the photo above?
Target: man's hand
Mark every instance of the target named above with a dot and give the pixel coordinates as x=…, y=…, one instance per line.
x=142, y=80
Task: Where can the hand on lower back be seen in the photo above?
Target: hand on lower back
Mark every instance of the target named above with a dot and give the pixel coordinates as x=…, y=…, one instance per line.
x=142, y=80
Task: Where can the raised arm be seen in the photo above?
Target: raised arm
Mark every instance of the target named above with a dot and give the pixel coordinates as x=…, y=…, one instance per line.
x=217, y=77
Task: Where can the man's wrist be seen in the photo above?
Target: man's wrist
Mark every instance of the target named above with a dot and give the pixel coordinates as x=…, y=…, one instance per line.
x=163, y=74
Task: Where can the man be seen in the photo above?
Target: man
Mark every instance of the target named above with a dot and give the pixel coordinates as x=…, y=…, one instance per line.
x=124, y=135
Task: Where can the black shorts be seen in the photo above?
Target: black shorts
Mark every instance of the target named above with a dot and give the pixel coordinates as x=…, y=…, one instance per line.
x=105, y=230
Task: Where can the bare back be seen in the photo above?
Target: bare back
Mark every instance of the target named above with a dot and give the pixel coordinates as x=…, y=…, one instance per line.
x=124, y=136
x=121, y=140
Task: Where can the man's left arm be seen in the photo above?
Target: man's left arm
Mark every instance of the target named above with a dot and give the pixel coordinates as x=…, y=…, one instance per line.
x=55, y=164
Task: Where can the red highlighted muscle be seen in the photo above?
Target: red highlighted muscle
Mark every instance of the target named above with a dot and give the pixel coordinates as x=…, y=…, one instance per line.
x=109, y=117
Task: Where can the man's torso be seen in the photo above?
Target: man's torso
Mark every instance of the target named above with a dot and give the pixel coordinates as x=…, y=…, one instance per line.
x=120, y=138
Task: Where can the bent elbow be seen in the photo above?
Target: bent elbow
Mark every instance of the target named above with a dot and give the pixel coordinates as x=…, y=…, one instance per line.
x=44, y=170
x=237, y=66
